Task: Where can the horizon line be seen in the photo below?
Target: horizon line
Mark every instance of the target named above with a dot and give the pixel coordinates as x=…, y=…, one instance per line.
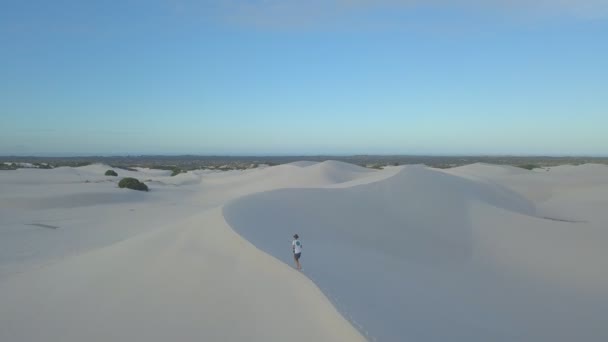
x=104, y=155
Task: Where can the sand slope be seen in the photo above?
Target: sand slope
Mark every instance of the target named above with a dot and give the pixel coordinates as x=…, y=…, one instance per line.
x=478, y=253
x=81, y=260
x=430, y=256
x=189, y=283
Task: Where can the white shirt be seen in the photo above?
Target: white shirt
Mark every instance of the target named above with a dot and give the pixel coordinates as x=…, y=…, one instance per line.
x=297, y=246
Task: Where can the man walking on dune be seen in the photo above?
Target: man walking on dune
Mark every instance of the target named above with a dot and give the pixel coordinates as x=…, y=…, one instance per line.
x=296, y=247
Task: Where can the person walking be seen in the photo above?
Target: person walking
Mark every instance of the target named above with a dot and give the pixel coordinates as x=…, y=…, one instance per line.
x=296, y=247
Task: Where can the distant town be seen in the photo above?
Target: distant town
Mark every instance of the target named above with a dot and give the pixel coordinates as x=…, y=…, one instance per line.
x=184, y=163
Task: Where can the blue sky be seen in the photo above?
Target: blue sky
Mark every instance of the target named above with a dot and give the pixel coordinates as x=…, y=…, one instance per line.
x=304, y=77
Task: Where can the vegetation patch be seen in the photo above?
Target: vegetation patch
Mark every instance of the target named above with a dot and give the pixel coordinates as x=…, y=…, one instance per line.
x=43, y=166
x=177, y=171
x=374, y=166
x=7, y=166
x=174, y=169
x=529, y=166
x=132, y=183
x=124, y=168
x=162, y=167
x=111, y=173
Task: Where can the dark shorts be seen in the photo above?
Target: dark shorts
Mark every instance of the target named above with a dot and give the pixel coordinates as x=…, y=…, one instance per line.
x=297, y=256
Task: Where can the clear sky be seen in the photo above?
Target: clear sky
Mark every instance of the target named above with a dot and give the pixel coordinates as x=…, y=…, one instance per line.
x=303, y=77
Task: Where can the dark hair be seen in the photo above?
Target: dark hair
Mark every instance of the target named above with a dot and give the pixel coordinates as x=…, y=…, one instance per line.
x=296, y=236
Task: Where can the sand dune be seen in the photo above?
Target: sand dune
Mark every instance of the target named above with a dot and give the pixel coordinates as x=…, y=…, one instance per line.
x=489, y=170
x=390, y=216
x=225, y=186
x=195, y=281
x=427, y=256
x=303, y=163
x=405, y=253
x=129, y=266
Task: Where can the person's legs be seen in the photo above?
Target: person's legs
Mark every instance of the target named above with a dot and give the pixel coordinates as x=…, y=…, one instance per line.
x=297, y=258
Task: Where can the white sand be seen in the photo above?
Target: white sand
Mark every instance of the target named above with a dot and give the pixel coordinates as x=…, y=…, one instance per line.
x=476, y=253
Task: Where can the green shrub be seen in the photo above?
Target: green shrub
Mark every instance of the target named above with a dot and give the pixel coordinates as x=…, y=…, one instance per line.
x=4, y=166
x=529, y=166
x=176, y=171
x=111, y=173
x=132, y=183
